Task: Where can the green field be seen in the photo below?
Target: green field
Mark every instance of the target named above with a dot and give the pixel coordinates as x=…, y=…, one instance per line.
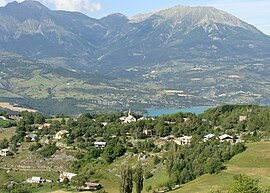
x=6, y=132
x=255, y=161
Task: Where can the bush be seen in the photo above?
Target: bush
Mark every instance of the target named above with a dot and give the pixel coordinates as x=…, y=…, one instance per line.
x=48, y=150
x=213, y=165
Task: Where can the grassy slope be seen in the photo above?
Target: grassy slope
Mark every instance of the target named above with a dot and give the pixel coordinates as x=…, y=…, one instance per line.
x=110, y=174
x=255, y=161
x=6, y=132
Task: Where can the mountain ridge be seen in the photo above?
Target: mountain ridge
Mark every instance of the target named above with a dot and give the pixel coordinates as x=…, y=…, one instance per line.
x=69, y=34
x=80, y=62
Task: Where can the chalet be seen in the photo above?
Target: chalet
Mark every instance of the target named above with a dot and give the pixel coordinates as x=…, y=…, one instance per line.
x=225, y=137
x=14, y=115
x=208, y=137
x=44, y=126
x=92, y=186
x=130, y=118
x=61, y=134
x=242, y=118
x=185, y=140
x=66, y=175
x=4, y=152
x=100, y=144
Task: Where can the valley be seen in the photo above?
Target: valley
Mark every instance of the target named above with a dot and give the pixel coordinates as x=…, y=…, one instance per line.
x=56, y=90
x=66, y=62
x=83, y=100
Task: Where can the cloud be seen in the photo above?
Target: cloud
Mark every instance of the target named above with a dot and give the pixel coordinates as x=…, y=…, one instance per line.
x=84, y=6
x=3, y=3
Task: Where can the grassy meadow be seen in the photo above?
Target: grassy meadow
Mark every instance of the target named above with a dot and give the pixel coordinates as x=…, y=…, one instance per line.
x=255, y=161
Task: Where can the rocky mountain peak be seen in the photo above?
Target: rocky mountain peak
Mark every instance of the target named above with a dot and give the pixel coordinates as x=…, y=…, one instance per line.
x=26, y=10
x=193, y=16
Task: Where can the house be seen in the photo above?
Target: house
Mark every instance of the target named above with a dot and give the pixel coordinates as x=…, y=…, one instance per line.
x=44, y=126
x=185, y=140
x=148, y=132
x=186, y=119
x=103, y=124
x=130, y=118
x=242, y=118
x=4, y=118
x=37, y=180
x=225, y=137
x=44, y=140
x=32, y=137
x=61, y=134
x=142, y=119
x=91, y=186
x=170, y=122
x=167, y=138
x=66, y=175
x=208, y=137
x=4, y=152
x=14, y=115
x=60, y=145
x=34, y=179
x=146, y=118
x=100, y=144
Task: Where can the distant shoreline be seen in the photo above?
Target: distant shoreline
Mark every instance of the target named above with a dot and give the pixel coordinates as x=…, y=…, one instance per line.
x=163, y=111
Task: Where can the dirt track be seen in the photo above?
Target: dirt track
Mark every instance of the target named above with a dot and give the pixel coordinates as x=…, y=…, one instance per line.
x=13, y=108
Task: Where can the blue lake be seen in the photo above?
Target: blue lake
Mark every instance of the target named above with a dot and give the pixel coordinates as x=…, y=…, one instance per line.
x=195, y=110
x=160, y=112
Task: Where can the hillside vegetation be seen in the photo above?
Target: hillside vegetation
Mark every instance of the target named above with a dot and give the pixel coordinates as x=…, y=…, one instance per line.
x=254, y=162
x=173, y=150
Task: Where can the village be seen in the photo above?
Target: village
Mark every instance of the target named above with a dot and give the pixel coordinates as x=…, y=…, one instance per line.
x=58, y=132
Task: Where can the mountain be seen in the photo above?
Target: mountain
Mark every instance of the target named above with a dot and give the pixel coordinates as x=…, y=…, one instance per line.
x=66, y=62
x=31, y=29
x=188, y=32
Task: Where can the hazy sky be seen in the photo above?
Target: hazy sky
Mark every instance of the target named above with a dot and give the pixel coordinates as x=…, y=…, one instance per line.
x=255, y=12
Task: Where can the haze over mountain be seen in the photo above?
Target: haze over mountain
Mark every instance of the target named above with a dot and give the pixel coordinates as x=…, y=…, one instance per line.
x=31, y=29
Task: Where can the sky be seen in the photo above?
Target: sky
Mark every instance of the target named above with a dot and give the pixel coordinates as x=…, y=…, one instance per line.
x=255, y=12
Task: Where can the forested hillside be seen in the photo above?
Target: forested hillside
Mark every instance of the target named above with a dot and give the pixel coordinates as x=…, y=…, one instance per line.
x=172, y=150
